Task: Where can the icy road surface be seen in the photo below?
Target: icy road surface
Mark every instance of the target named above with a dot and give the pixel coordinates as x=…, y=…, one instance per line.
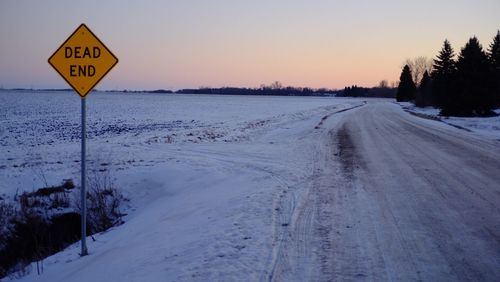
x=412, y=200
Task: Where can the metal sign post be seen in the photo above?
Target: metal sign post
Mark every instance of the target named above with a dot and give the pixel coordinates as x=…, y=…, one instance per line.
x=83, y=191
x=83, y=60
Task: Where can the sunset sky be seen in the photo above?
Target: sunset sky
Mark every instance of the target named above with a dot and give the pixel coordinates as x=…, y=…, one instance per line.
x=187, y=43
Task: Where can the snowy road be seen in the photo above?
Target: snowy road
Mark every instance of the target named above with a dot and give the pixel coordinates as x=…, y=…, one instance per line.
x=399, y=198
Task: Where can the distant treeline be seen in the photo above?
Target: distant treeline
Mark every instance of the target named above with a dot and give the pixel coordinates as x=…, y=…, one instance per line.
x=285, y=91
x=276, y=89
x=380, y=92
x=352, y=91
x=465, y=86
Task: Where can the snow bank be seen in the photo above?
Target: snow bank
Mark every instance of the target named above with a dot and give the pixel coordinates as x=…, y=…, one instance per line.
x=484, y=126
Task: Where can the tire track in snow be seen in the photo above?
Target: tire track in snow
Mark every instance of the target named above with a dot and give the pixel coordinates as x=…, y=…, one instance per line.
x=298, y=251
x=394, y=198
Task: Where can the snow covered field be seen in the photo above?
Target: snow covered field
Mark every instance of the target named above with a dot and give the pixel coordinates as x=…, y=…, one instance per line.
x=205, y=175
x=40, y=131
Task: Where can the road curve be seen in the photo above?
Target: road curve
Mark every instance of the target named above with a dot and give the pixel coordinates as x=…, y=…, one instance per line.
x=419, y=200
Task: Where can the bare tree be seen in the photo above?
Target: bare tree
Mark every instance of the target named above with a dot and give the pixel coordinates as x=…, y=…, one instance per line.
x=383, y=84
x=418, y=66
x=276, y=85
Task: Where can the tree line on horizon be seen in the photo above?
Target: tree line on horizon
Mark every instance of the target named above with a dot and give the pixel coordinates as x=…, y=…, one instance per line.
x=383, y=90
x=468, y=85
x=275, y=89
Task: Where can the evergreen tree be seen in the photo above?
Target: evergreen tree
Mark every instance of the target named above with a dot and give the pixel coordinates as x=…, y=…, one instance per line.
x=424, y=96
x=443, y=70
x=494, y=50
x=406, y=88
x=473, y=83
x=494, y=58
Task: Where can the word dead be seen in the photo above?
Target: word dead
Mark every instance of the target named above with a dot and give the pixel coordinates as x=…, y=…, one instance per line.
x=78, y=52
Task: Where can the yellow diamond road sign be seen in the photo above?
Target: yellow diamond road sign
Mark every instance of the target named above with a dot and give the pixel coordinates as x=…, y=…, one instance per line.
x=83, y=60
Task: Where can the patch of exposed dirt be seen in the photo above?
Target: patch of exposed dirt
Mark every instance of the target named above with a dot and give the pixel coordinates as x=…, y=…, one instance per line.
x=346, y=151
